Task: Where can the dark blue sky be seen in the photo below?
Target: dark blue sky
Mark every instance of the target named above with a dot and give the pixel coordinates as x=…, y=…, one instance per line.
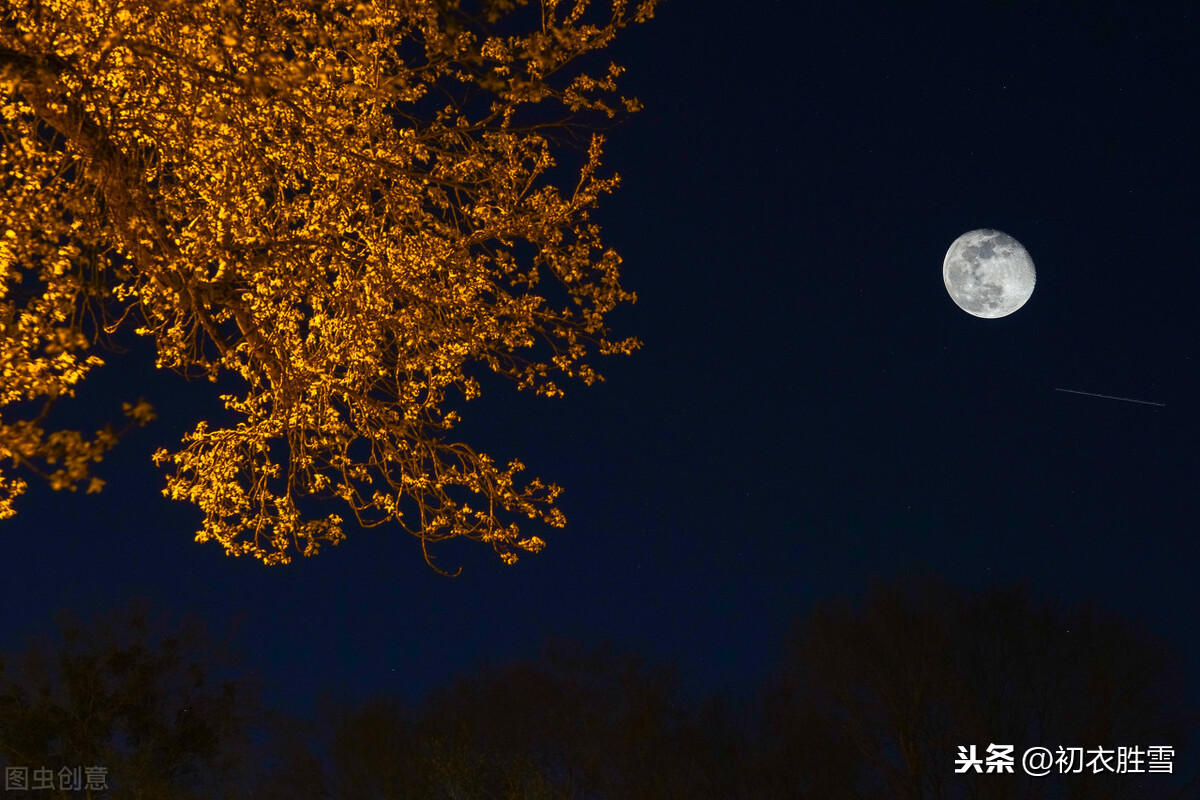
x=810, y=410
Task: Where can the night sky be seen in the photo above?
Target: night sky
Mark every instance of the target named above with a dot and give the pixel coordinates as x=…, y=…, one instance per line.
x=810, y=411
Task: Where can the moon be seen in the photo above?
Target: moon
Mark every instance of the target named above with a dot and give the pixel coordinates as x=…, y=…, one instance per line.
x=988, y=273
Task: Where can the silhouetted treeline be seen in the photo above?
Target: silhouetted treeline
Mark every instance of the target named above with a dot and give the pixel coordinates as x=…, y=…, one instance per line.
x=151, y=705
x=872, y=700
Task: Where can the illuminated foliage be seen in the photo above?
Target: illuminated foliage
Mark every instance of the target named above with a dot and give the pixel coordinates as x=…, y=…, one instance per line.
x=350, y=206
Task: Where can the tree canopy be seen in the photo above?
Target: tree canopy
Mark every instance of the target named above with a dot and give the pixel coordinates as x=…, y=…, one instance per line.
x=350, y=210
x=154, y=705
x=875, y=698
x=871, y=701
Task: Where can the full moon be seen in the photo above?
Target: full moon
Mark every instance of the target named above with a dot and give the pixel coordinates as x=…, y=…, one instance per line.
x=988, y=273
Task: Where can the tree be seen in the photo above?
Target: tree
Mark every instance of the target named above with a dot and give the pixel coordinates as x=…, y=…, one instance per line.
x=134, y=694
x=897, y=685
x=349, y=212
x=570, y=724
x=575, y=722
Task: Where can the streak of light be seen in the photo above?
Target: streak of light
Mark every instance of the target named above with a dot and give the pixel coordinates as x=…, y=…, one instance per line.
x=1112, y=397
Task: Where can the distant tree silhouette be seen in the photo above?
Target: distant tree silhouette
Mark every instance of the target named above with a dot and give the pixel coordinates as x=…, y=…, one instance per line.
x=350, y=211
x=871, y=703
x=874, y=702
x=133, y=695
x=570, y=725
x=587, y=721
x=290, y=765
